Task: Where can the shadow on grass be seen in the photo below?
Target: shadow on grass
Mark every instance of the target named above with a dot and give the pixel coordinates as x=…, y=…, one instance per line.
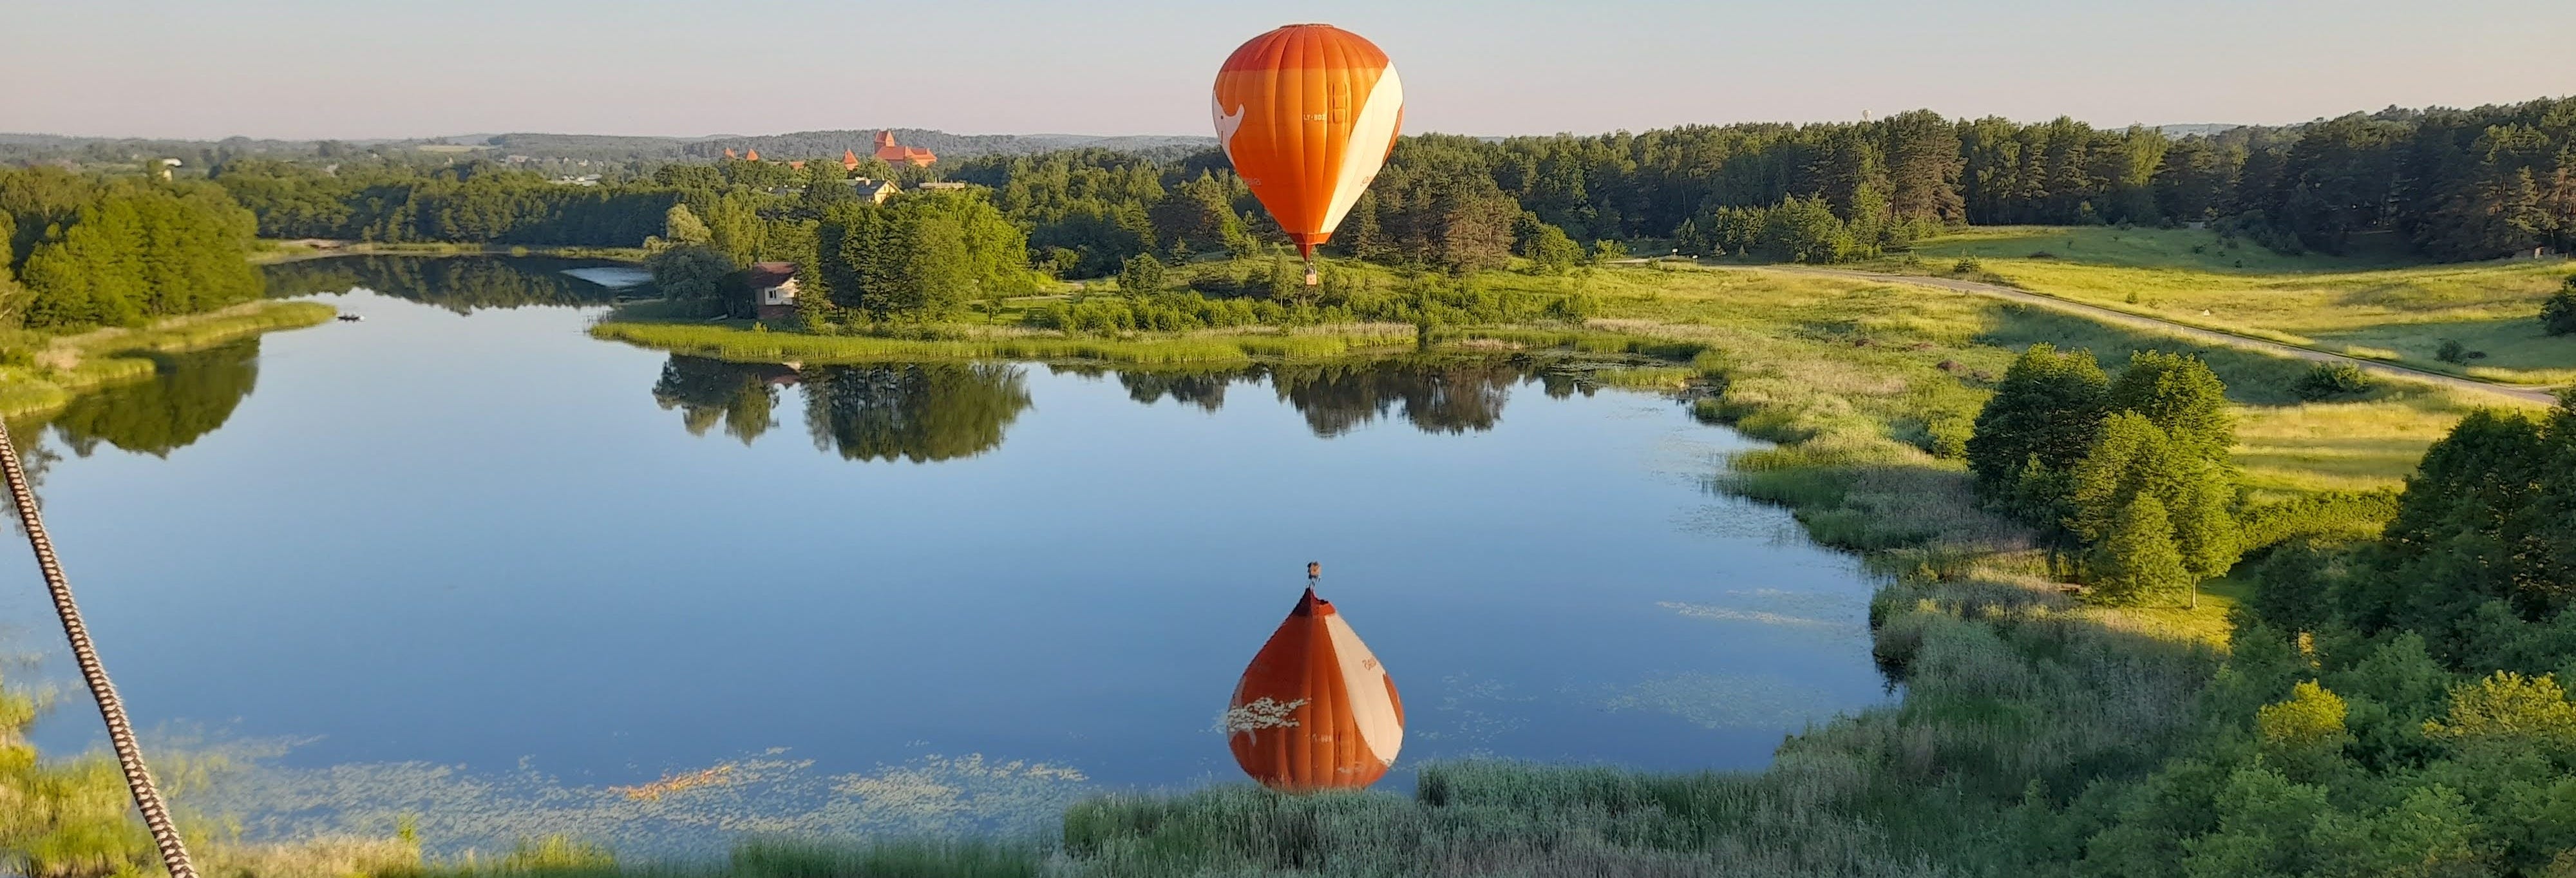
x=2252, y=378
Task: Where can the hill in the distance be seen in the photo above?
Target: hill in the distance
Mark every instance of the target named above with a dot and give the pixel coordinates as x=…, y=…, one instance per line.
x=551, y=148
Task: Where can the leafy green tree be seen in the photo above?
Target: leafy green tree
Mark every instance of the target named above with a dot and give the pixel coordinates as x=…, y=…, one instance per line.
x=921, y=256
x=2311, y=718
x=2558, y=316
x=2136, y=560
x=2205, y=524
x=1806, y=230
x=1143, y=274
x=2047, y=408
x=1547, y=247
x=2130, y=457
x=2179, y=394
x=825, y=183
x=696, y=275
x=681, y=226
x=2509, y=709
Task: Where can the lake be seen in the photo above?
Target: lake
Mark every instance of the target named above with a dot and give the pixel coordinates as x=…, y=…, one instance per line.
x=463, y=562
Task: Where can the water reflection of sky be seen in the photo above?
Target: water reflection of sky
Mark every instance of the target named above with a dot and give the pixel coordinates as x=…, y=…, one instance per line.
x=490, y=571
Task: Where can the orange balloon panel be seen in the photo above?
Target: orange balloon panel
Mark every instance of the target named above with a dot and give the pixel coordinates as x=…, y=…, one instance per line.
x=1308, y=113
x=1315, y=710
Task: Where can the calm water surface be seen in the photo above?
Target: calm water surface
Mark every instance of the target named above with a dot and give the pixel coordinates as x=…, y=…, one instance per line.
x=463, y=561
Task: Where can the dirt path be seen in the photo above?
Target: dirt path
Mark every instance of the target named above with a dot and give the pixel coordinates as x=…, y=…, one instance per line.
x=2212, y=336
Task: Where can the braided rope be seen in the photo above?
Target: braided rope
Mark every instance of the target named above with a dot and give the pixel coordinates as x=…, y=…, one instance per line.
x=138, y=778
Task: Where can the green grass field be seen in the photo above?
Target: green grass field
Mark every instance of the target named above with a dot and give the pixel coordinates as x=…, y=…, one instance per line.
x=2372, y=304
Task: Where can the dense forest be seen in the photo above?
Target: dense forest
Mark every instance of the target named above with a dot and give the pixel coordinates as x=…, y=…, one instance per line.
x=88, y=251
x=2447, y=184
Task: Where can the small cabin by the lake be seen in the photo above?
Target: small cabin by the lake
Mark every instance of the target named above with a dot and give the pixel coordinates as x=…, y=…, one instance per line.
x=773, y=290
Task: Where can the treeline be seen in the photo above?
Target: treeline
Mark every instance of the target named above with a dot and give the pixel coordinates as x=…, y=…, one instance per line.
x=86, y=251
x=477, y=202
x=2454, y=184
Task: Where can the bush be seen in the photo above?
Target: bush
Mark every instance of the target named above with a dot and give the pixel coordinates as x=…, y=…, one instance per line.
x=1142, y=274
x=1967, y=265
x=2322, y=515
x=2330, y=380
x=2452, y=351
x=2559, y=316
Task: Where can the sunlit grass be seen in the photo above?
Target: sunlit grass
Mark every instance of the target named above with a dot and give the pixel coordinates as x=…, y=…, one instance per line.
x=753, y=345
x=2371, y=306
x=55, y=369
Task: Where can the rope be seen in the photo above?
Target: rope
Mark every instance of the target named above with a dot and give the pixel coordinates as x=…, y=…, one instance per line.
x=138, y=778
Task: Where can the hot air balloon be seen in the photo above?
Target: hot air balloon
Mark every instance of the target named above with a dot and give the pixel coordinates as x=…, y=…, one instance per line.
x=1315, y=710
x=1308, y=114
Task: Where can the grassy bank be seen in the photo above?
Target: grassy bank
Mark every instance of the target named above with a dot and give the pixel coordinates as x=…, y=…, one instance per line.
x=46, y=373
x=750, y=343
x=296, y=250
x=2372, y=305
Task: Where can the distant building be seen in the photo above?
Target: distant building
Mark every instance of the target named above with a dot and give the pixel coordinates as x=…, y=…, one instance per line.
x=897, y=154
x=751, y=156
x=875, y=191
x=850, y=160
x=773, y=290
x=729, y=153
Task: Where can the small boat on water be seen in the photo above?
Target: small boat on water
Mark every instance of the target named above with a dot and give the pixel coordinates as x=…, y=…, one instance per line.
x=350, y=318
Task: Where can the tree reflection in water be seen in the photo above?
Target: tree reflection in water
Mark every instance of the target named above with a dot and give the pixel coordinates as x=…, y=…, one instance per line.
x=739, y=395
x=939, y=411
x=1435, y=396
x=189, y=396
x=919, y=412
x=1203, y=389
x=461, y=284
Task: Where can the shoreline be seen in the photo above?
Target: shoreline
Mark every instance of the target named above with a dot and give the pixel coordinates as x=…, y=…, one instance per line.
x=302, y=249
x=102, y=358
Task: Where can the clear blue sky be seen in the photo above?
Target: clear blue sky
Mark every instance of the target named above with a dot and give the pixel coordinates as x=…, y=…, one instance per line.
x=306, y=68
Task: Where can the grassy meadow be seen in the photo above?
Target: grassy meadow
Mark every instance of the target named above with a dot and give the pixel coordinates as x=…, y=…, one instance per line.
x=2371, y=304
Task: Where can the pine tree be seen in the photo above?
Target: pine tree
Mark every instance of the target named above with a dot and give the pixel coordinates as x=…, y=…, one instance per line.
x=2136, y=560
